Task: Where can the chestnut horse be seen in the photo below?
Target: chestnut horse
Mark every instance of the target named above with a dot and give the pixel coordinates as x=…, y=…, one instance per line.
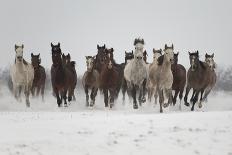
x=179, y=79
x=108, y=80
x=39, y=76
x=61, y=76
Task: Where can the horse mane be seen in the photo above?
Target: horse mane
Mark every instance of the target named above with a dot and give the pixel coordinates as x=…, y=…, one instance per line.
x=73, y=63
x=160, y=60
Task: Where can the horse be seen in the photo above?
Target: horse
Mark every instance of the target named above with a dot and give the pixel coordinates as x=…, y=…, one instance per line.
x=90, y=81
x=61, y=76
x=128, y=57
x=198, y=78
x=22, y=75
x=179, y=79
x=39, y=76
x=152, y=69
x=209, y=60
x=108, y=80
x=99, y=59
x=135, y=73
x=71, y=66
x=162, y=78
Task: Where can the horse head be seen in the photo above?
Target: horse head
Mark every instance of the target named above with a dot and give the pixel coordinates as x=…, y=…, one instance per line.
x=101, y=53
x=209, y=59
x=35, y=60
x=19, y=53
x=129, y=56
x=169, y=54
x=156, y=54
x=89, y=63
x=66, y=59
x=139, y=43
x=194, y=60
x=56, y=54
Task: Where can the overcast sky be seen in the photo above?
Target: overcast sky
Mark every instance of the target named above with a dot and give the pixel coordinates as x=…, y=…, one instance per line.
x=79, y=25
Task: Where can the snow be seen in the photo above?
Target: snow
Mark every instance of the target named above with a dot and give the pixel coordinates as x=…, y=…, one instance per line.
x=45, y=129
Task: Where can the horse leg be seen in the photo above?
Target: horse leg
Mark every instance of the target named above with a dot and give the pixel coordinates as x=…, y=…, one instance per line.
x=180, y=97
x=92, y=96
x=42, y=92
x=186, y=96
x=38, y=91
x=135, y=105
x=156, y=95
x=33, y=91
x=26, y=92
x=168, y=93
x=175, y=96
x=161, y=99
x=105, y=91
x=86, y=96
x=200, y=103
x=70, y=94
x=59, y=100
x=144, y=91
x=112, y=94
x=194, y=92
x=65, y=97
x=195, y=99
x=124, y=87
x=19, y=95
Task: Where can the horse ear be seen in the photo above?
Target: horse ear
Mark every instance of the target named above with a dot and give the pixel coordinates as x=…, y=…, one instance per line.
x=58, y=44
x=206, y=54
x=189, y=52
x=153, y=50
x=97, y=46
x=104, y=46
x=32, y=55
x=165, y=47
x=52, y=45
x=112, y=50
x=22, y=46
x=39, y=55
x=16, y=46
x=39, y=61
x=213, y=55
x=177, y=53
x=197, y=52
x=132, y=52
x=172, y=46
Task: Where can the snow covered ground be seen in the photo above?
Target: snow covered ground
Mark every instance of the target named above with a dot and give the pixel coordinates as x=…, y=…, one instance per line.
x=46, y=129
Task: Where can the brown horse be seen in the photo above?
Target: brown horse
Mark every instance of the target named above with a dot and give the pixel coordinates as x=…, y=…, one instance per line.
x=198, y=78
x=99, y=59
x=71, y=66
x=179, y=79
x=108, y=80
x=90, y=81
x=39, y=76
x=61, y=76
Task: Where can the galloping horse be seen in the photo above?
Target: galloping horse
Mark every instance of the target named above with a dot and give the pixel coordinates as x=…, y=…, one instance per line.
x=198, y=78
x=162, y=78
x=179, y=79
x=71, y=66
x=61, y=76
x=22, y=75
x=90, y=81
x=135, y=73
x=152, y=89
x=108, y=80
x=39, y=76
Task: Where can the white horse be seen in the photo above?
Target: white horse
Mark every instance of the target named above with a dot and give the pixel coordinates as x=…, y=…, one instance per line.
x=22, y=75
x=161, y=76
x=135, y=73
x=152, y=69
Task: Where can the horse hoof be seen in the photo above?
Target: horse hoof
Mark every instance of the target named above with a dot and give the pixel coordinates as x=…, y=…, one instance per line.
x=187, y=104
x=165, y=105
x=135, y=106
x=91, y=104
x=192, y=109
x=69, y=99
x=65, y=105
x=200, y=105
x=161, y=111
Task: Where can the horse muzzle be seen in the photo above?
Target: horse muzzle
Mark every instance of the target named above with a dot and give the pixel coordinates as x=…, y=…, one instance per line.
x=19, y=58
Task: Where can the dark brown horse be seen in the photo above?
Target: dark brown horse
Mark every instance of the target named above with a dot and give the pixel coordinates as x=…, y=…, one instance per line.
x=198, y=78
x=99, y=59
x=39, y=76
x=108, y=80
x=61, y=76
x=71, y=66
x=90, y=81
x=179, y=79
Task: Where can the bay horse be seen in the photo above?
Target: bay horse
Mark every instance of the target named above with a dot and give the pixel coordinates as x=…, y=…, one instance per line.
x=128, y=57
x=198, y=78
x=22, y=75
x=90, y=80
x=209, y=60
x=162, y=78
x=61, y=76
x=179, y=79
x=99, y=59
x=71, y=66
x=39, y=76
x=135, y=73
x=108, y=80
x=152, y=69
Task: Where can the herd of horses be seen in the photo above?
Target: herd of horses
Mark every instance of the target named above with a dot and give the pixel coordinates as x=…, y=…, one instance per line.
x=164, y=79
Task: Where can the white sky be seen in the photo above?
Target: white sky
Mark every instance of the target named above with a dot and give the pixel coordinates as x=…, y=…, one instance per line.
x=79, y=25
